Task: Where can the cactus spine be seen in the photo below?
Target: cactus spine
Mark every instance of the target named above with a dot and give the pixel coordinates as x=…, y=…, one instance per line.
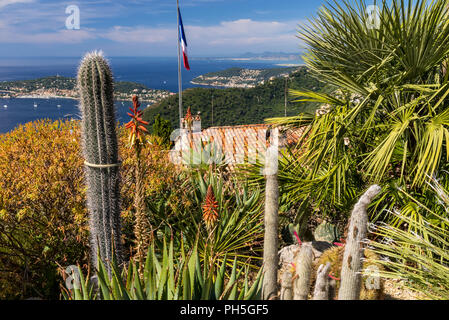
x=100, y=149
x=270, y=248
x=352, y=259
x=303, y=272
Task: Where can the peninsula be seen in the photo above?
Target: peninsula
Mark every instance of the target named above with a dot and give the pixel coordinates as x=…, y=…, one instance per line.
x=64, y=87
x=242, y=78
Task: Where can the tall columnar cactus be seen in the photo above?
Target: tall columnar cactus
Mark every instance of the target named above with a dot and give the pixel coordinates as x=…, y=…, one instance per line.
x=271, y=220
x=352, y=259
x=303, y=263
x=100, y=149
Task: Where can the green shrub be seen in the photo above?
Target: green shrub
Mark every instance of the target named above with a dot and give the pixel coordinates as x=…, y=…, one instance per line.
x=43, y=217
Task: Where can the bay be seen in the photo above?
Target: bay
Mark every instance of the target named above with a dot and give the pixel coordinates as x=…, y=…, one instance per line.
x=156, y=73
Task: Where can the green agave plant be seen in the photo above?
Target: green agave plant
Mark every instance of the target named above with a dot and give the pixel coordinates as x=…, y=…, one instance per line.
x=169, y=276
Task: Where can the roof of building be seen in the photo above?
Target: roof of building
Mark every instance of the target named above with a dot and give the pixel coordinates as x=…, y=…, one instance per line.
x=239, y=143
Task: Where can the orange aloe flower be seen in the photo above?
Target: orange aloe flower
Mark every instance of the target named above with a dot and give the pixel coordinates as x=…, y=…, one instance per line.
x=210, y=213
x=188, y=118
x=136, y=123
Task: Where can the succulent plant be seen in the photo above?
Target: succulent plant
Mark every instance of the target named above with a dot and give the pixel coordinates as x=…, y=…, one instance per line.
x=100, y=149
x=334, y=256
x=168, y=275
x=350, y=258
x=326, y=231
x=303, y=271
x=322, y=282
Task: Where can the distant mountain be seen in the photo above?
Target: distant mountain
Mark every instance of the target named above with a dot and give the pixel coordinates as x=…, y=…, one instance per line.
x=268, y=54
x=236, y=106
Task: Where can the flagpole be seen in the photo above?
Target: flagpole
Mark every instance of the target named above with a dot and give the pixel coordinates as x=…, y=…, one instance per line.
x=179, y=70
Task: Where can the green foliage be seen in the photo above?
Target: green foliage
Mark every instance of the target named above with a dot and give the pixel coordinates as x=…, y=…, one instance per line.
x=162, y=128
x=236, y=106
x=419, y=257
x=170, y=275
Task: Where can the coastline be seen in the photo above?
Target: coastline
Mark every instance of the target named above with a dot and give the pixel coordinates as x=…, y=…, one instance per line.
x=64, y=97
x=42, y=97
x=222, y=86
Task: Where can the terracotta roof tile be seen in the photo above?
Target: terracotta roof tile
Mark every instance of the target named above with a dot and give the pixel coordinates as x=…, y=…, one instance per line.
x=242, y=143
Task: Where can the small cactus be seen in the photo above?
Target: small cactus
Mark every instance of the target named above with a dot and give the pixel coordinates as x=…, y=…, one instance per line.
x=100, y=149
x=286, y=286
x=322, y=282
x=334, y=256
x=352, y=259
x=303, y=272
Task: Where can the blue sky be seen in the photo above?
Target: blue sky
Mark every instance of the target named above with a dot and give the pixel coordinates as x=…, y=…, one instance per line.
x=148, y=28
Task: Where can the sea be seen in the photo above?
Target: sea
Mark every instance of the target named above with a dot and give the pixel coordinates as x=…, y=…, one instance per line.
x=157, y=73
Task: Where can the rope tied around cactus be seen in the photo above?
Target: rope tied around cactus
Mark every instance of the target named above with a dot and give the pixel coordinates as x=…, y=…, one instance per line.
x=101, y=166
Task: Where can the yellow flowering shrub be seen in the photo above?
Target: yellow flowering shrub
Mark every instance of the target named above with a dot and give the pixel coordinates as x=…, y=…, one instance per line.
x=43, y=216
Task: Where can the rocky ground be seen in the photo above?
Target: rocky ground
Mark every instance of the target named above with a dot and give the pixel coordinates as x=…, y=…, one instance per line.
x=395, y=290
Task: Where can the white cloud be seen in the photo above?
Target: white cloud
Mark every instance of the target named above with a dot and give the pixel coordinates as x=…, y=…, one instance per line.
x=4, y=3
x=243, y=31
x=224, y=37
x=242, y=34
x=140, y=34
x=62, y=36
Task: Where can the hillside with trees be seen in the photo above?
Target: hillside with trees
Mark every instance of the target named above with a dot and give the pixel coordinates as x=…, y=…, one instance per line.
x=235, y=106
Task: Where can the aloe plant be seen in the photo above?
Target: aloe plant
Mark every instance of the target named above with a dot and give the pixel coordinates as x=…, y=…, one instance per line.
x=169, y=276
x=237, y=231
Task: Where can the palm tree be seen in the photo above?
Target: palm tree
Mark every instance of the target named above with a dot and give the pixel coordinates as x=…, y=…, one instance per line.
x=384, y=118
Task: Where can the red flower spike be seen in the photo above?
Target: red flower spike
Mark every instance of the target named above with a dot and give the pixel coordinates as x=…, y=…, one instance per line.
x=136, y=124
x=188, y=118
x=188, y=114
x=210, y=213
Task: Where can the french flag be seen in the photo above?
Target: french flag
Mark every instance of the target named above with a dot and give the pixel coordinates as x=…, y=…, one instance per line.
x=183, y=41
